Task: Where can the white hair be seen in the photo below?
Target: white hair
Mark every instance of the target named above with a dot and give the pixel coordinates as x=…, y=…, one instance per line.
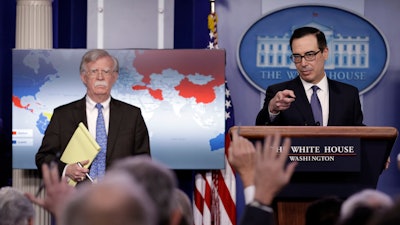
x=367, y=198
x=15, y=208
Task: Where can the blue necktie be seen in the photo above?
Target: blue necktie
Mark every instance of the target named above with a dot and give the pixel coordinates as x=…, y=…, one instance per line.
x=316, y=106
x=98, y=167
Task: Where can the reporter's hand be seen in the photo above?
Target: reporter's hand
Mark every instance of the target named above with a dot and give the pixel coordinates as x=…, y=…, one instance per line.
x=241, y=156
x=57, y=191
x=271, y=172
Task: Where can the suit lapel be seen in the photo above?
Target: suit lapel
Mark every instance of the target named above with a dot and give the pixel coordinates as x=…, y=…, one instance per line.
x=115, y=122
x=301, y=103
x=333, y=101
x=79, y=112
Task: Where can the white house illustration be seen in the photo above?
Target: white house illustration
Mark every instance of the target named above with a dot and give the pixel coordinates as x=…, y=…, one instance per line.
x=344, y=51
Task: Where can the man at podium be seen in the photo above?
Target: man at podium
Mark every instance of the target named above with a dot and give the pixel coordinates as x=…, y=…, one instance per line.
x=310, y=99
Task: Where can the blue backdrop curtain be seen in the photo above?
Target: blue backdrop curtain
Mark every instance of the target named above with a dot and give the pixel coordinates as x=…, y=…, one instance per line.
x=7, y=42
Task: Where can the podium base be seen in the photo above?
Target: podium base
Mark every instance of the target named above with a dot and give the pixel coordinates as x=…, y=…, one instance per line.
x=291, y=212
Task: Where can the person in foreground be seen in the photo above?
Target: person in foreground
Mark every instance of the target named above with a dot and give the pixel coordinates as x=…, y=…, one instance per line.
x=15, y=208
x=290, y=102
x=390, y=216
x=271, y=172
x=323, y=211
x=123, y=124
x=362, y=206
x=57, y=191
x=117, y=199
x=185, y=207
x=158, y=181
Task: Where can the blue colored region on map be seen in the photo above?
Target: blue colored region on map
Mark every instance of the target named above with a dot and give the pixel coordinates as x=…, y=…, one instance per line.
x=217, y=142
x=29, y=81
x=42, y=123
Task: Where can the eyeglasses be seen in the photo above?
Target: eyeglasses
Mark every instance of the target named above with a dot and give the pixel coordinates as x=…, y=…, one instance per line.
x=96, y=72
x=308, y=56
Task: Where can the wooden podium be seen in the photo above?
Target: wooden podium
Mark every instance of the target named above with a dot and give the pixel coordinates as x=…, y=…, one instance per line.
x=341, y=178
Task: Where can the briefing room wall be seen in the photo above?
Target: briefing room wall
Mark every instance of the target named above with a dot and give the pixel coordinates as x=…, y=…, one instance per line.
x=381, y=104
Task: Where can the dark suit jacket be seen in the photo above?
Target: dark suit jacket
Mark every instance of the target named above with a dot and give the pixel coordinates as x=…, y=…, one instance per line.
x=255, y=216
x=127, y=134
x=344, y=106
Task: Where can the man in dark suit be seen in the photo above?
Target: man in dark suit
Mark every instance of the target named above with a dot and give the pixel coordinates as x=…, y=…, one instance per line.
x=125, y=128
x=288, y=103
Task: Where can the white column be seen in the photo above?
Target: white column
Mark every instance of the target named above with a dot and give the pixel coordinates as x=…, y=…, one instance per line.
x=34, y=24
x=161, y=25
x=33, y=31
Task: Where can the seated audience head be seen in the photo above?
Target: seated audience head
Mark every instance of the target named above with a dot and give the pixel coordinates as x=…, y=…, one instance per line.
x=117, y=200
x=184, y=205
x=158, y=180
x=390, y=216
x=15, y=208
x=324, y=211
x=361, y=206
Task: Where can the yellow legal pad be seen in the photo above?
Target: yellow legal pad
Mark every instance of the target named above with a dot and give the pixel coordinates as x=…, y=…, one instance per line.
x=82, y=146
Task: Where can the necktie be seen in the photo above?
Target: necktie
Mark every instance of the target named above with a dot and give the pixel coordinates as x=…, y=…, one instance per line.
x=98, y=167
x=316, y=106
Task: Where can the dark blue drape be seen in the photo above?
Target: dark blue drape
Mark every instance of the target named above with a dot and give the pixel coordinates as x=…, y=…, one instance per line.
x=7, y=43
x=69, y=23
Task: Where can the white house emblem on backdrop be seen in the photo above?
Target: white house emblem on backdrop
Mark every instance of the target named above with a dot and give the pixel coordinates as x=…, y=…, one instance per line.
x=358, y=52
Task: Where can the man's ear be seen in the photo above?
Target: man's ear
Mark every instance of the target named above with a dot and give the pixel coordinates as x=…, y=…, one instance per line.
x=326, y=53
x=31, y=221
x=175, y=218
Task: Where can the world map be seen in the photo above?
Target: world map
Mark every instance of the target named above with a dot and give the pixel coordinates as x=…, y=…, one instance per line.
x=181, y=94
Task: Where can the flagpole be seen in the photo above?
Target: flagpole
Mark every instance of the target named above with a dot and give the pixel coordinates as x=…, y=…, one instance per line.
x=212, y=26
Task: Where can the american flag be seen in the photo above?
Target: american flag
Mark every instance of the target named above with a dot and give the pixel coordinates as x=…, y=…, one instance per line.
x=215, y=191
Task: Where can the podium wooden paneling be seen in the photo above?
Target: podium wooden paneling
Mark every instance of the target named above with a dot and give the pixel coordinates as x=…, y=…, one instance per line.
x=375, y=145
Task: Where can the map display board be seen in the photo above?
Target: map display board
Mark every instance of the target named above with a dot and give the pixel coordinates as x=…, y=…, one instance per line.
x=181, y=94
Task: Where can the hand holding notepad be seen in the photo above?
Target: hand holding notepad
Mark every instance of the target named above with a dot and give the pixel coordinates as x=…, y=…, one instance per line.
x=82, y=146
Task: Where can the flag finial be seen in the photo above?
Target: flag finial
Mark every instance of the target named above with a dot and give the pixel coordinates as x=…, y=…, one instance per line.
x=212, y=26
x=212, y=5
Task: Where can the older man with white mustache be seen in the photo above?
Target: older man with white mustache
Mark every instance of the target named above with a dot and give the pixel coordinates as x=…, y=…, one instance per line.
x=124, y=132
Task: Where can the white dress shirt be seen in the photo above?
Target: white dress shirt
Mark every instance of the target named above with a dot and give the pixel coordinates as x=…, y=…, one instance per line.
x=92, y=112
x=323, y=95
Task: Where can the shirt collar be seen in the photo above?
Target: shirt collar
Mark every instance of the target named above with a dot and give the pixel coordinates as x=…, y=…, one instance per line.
x=92, y=104
x=323, y=84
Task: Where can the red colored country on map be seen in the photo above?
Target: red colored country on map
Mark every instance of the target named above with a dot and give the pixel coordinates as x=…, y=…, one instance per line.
x=186, y=62
x=18, y=104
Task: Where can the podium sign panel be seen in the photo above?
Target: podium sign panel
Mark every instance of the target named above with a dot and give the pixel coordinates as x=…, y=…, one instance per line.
x=374, y=145
x=333, y=154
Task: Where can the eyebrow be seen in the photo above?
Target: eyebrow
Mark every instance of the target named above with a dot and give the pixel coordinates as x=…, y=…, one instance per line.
x=312, y=51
